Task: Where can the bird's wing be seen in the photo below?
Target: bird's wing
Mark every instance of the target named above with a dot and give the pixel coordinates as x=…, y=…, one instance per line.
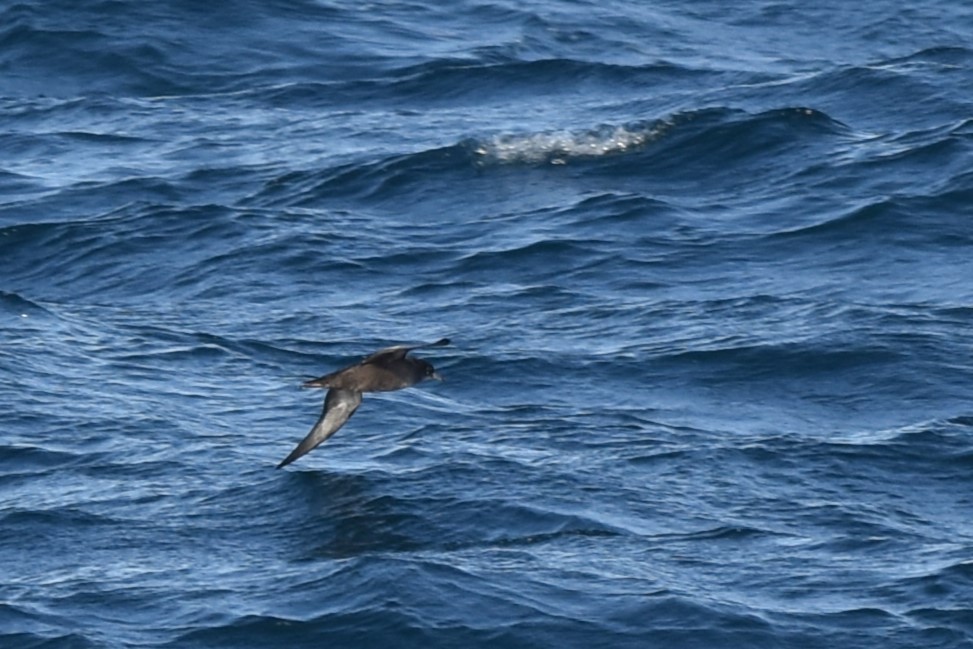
x=339, y=405
x=399, y=351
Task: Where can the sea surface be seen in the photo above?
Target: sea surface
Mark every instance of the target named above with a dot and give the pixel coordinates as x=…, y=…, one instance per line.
x=707, y=268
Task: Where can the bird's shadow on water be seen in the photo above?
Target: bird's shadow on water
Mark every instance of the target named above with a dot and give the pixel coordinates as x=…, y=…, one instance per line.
x=339, y=515
x=343, y=515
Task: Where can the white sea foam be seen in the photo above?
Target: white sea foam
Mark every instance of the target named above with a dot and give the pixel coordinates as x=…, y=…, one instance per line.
x=559, y=147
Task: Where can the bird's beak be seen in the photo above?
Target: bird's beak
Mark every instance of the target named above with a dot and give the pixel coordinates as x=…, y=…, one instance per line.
x=437, y=376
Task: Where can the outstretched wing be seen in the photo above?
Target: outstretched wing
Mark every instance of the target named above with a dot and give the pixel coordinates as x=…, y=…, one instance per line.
x=399, y=351
x=339, y=405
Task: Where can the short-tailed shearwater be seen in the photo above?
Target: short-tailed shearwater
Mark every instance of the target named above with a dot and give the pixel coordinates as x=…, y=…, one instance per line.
x=387, y=369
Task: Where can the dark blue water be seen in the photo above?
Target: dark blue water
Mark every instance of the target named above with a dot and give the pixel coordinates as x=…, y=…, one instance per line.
x=707, y=267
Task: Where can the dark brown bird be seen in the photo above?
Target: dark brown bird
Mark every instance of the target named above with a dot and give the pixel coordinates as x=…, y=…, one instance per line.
x=385, y=370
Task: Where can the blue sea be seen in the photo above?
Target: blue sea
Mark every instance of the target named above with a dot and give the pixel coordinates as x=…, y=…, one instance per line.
x=707, y=269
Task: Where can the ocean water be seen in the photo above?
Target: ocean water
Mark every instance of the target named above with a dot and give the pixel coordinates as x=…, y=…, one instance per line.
x=707, y=268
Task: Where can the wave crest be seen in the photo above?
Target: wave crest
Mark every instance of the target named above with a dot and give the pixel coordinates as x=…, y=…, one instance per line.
x=556, y=147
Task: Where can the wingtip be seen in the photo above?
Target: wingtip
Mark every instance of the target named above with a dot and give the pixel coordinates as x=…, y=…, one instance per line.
x=290, y=458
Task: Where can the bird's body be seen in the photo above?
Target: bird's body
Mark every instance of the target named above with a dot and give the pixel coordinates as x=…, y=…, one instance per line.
x=371, y=376
x=387, y=369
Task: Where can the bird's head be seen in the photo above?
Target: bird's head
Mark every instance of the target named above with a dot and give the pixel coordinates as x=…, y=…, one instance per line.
x=428, y=371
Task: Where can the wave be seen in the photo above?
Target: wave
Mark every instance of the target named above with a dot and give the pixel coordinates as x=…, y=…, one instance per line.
x=557, y=148
x=485, y=81
x=25, y=460
x=949, y=57
x=489, y=614
x=929, y=220
x=939, y=446
x=682, y=142
x=16, y=304
x=361, y=517
x=808, y=358
x=52, y=637
x=688, y=135
x=359, y=61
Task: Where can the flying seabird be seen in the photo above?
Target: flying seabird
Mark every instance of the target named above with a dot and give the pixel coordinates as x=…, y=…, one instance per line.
x=385, y=370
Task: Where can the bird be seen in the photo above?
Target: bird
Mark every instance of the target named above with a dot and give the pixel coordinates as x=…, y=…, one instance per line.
x=387, y=369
